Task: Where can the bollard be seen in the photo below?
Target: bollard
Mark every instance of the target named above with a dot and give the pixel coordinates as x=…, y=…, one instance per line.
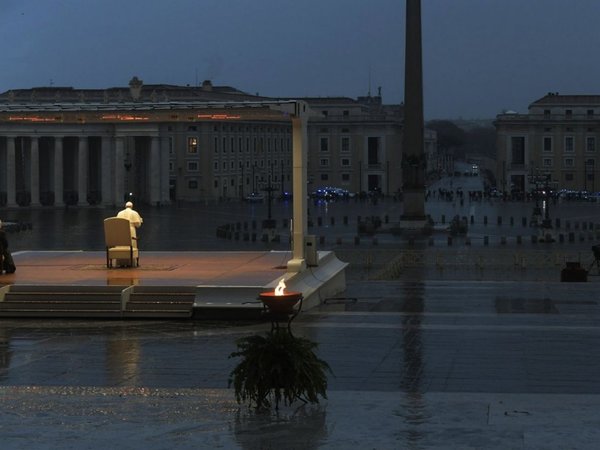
x=486, y=240
x=449, y=241
x=519, y=239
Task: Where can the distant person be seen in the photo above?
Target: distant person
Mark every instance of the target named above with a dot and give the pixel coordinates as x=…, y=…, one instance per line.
x=135, y=220
x=8, y=265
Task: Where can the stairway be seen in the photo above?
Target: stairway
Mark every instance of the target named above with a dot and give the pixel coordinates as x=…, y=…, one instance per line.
x=159, y=302
x=61, y=301
x=97, y=302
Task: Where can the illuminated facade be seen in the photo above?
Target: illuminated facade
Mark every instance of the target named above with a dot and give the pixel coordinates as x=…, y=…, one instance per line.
x=557, y=140
x=164, y=144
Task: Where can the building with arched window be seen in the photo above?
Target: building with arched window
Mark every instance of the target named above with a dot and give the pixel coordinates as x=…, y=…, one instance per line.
x=164, y=143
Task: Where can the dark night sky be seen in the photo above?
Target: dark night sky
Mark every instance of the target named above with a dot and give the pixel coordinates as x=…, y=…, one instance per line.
x=480, y=56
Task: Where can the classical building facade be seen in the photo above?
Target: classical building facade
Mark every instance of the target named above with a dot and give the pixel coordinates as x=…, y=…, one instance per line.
x=557, y=141
x=160, y=144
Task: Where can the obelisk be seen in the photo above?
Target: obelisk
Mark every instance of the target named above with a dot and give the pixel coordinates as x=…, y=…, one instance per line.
x=413, y=150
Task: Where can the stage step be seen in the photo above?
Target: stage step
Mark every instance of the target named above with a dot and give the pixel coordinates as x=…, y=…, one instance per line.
x=153, y=302
x=61, y=301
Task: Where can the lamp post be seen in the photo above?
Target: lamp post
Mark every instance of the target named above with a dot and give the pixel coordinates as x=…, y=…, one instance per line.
x=269, y=223
x=547, y=223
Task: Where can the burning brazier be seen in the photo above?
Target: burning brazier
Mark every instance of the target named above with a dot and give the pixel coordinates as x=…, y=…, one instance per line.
x=280, y=301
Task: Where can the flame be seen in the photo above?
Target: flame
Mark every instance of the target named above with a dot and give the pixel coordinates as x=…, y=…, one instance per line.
x=280, y=288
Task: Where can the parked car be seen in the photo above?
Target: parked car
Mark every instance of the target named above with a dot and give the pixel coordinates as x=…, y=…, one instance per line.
x=285, y=196
x=254, y=197
x=331, y=193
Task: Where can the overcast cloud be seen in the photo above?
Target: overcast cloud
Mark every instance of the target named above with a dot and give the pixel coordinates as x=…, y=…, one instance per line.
x=480, y=56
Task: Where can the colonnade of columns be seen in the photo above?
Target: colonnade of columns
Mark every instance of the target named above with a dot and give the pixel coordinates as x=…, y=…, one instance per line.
x=53, y=170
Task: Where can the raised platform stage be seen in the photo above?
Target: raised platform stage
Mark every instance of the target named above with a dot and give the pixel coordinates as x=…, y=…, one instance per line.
x=167, y=285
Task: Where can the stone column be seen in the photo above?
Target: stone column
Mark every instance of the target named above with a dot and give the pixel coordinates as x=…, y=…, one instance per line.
x=82, y=171
x=119, y=170
x=58, y=172
x=34, y=168
x=155, y=170
x=106, y=174
x=165, y=197
x=11, y=188
x=299, y=179
x=413, y=151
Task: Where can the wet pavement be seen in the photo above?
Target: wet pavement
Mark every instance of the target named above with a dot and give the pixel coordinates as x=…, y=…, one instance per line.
x=431, y=347
x=490, y=365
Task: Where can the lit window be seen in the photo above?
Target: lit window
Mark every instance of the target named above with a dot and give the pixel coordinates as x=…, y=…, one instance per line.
x=192, y=145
